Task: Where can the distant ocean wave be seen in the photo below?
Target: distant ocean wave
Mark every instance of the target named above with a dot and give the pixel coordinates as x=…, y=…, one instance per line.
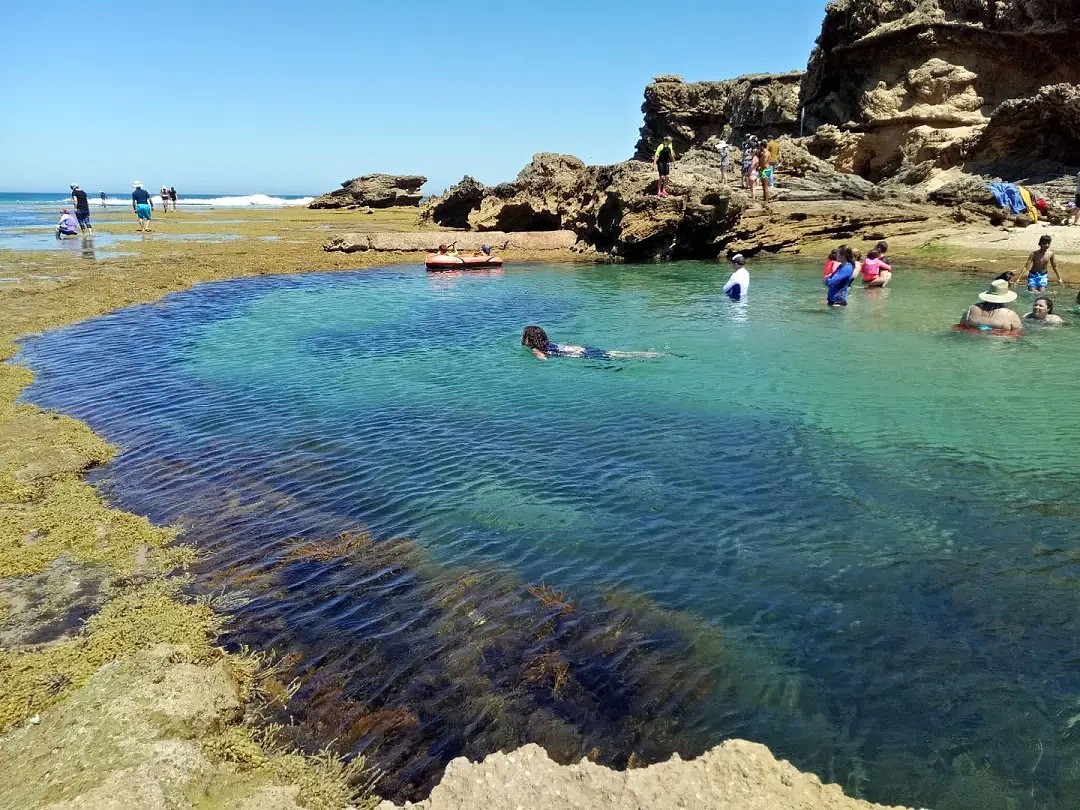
x=10, y=200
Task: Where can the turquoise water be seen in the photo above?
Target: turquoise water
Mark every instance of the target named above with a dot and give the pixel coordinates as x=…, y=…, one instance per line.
x=851, y=535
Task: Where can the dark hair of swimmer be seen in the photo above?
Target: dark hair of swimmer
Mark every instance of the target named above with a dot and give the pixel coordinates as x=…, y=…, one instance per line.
x=882, y=247
x=1049, y=304
x=834, y=254
x=846, y=255
x=535, y=338
x=873, y=254
x=1045, y=240
x=1008, y=275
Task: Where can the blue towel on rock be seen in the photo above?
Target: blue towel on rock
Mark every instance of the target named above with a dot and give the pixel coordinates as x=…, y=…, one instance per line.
x=1009, y=197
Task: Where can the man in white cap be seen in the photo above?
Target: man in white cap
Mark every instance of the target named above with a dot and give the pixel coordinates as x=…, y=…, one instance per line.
x=739, y=284
x=991, y=314
x=82, y=209
x=142, y=205
x=725, y=159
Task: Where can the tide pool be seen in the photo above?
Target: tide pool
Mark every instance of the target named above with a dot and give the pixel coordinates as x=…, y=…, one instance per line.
x=850, y=535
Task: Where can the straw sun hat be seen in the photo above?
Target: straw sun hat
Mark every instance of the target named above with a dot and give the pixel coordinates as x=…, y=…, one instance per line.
x=999, y=293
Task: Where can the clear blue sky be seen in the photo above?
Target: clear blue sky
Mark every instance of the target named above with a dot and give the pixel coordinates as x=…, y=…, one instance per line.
x=294, y=97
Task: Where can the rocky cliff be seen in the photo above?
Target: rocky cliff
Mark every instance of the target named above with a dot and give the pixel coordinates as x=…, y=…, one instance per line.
x=909, y=82
x=692, y=112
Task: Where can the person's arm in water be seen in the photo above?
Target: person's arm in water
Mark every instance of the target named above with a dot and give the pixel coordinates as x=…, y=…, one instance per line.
x=1052, y=261
x=539, y=355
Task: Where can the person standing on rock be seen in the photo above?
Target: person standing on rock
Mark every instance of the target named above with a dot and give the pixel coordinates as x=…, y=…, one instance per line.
x=725, y=159
x=764, y=172
x=773, y=149
x=142, y=205
x=662, y=159
x=747, y=159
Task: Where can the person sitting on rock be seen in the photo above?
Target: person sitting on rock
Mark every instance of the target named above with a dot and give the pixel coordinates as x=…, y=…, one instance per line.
x=1042, y=313
x=662, y=159
x=991, y=314
x=1038, y=279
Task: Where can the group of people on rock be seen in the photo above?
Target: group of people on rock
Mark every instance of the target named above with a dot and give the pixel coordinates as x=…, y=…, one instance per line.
x=760, y=160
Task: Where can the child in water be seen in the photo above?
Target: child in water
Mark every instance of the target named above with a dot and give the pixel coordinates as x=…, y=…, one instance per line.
x=536, y=340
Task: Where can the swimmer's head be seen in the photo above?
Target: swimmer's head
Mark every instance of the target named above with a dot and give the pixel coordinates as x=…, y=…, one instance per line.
x=1042, y=306
x=881, y=247
x=873, y=254
x=534, y=338
x=1008, y=275
x=738, y=260
x=442, y=248
x=1045, y=240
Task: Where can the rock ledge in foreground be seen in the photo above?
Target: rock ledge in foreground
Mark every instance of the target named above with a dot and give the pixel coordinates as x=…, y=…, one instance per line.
x=430, y=241
x=737, y=775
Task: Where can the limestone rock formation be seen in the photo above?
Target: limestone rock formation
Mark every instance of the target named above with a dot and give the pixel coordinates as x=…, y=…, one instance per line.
x=692, y=112
x=452, y=208
x=374, y=191
x=737, y=775
x=916, y=81
x=1037, y=134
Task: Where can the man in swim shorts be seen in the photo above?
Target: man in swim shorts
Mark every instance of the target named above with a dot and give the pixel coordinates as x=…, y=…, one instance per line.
x=142, y=205
x=1038, y=279
x=662, y=159
x=764, y=171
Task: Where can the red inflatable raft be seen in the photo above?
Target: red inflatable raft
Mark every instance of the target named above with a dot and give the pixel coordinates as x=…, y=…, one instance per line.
x=439, y=261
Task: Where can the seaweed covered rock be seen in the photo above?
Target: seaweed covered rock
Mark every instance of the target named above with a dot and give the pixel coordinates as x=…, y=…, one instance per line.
x=374, y=191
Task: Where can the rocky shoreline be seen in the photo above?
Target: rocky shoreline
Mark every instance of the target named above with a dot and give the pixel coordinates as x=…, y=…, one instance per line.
x=139, y=706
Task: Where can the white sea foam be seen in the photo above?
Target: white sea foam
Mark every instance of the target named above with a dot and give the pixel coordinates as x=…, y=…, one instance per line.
x=262, y=200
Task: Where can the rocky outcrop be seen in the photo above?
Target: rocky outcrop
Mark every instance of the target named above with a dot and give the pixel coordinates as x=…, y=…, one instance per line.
x=693, y=112
x=374, y=191
x=401, y=242
x=737, y=775
x=1035, y=135
x=914, y=82
x=452, y=208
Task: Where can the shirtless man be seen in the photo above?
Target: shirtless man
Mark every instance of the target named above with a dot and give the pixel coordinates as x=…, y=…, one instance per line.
x=1035, y=267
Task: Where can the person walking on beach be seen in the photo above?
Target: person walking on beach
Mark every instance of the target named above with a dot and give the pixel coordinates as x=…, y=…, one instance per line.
x=103, y=198
x=1038, y=279
x=172, y=197
x=142, y=205
x=662, y=159
x=82, y=209
x=164, y=194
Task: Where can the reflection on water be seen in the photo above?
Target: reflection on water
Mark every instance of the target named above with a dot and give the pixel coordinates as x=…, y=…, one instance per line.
x=820, y=530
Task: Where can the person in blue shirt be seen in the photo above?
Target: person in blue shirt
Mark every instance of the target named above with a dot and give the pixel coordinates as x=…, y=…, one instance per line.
x=840, y=279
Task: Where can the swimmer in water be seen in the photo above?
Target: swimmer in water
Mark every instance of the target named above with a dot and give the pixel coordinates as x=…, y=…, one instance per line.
x=535, y=339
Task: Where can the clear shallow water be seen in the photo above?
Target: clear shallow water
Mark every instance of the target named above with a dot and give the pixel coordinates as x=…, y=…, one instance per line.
x=849, y=535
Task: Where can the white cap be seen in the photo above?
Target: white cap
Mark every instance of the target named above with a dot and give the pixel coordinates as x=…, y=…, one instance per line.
x=137, y=184
x=738, y=259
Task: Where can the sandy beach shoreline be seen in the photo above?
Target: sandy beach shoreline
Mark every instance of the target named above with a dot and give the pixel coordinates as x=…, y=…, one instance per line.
x=142, y=621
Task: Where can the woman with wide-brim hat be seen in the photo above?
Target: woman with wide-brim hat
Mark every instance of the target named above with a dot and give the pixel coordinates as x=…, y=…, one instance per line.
x=991, y=313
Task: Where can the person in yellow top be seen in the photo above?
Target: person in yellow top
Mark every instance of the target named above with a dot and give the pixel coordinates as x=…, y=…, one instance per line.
x=773, y=148
x=662, y=159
